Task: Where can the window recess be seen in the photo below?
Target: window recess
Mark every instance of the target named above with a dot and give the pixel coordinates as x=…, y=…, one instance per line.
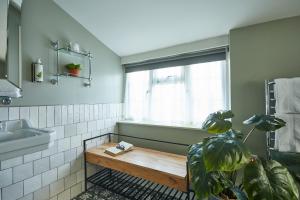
x=181, y=89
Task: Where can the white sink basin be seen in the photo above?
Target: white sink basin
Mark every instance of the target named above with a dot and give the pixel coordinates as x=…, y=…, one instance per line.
x=18, y=137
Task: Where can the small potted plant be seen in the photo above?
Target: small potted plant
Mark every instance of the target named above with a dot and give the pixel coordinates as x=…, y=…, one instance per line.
x=73, y=69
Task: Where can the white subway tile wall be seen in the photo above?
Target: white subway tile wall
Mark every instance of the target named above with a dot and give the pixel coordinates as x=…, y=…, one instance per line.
x=57, y=116
x=34, y=116
x=3, y=113
x=42, y=116
x=50, y=116
x=57, y=172
x=14, y=113
x=24, y=113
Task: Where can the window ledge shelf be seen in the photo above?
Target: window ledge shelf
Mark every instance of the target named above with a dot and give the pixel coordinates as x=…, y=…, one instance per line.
x=153, y=124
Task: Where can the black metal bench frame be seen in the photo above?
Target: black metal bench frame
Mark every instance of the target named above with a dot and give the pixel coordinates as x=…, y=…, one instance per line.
x=133, y=187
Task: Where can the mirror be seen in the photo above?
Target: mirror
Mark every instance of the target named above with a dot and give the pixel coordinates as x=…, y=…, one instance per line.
x=10, y=43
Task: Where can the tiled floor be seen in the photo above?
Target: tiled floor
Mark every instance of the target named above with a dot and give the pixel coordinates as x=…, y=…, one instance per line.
x=98, y=193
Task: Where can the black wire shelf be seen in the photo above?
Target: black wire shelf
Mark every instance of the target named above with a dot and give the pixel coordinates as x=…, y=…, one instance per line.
x=135, y=188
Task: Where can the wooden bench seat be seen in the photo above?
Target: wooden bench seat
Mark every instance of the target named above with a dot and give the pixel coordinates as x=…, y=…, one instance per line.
x=159, y=167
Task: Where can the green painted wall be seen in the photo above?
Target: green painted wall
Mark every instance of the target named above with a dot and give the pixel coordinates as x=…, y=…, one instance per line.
x=178, y=49
x=260, y=52
x=179, y=135
x=43, y=21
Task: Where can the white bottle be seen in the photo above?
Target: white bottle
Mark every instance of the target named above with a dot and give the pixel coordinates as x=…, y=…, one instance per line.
x=38, y=71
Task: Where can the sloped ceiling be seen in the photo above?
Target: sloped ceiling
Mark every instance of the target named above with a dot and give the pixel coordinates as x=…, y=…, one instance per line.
x=134, y=26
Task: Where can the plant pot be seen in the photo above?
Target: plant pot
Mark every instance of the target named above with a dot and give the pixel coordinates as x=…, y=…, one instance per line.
x=74, y=72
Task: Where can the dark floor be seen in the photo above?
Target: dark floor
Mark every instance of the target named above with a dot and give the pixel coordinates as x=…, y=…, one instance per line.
x=98, y=193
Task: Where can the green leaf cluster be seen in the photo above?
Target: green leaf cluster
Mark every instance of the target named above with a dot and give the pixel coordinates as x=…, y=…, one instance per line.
x=205, y=183
x=218, y=122
x=211, y=161
x=214, y=163
x=268, y=179
x=265, y=122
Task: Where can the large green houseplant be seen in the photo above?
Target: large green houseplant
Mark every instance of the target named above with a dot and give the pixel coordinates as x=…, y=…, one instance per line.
x=222, y=167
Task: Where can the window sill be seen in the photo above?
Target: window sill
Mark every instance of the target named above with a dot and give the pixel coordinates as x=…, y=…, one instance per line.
x=153, y=124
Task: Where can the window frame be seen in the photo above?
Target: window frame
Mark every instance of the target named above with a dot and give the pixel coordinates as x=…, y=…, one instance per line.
x=187, y=82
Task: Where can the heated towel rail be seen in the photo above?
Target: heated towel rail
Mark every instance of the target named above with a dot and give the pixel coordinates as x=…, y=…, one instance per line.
x=270, y=110
x=290, y=159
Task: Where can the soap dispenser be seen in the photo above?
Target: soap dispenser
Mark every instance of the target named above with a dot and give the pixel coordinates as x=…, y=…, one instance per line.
x=38, y=71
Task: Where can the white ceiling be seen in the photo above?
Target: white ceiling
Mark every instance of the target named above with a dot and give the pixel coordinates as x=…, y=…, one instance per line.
x=134, y=26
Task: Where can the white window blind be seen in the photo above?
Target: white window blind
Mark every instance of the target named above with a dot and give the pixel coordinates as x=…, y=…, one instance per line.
x=177, y=95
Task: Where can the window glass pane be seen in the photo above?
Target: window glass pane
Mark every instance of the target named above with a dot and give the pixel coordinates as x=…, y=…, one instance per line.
x=137, y=85
x=208, y=83
x=168, y=103
x=166, y=75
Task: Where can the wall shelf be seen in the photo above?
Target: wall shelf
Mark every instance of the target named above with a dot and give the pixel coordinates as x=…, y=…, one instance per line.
x=71, y=76
x=74, y=53
x=69, y=51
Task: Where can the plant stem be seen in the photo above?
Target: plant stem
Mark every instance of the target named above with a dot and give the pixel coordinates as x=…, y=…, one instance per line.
x=233, y=177
x=248, y=134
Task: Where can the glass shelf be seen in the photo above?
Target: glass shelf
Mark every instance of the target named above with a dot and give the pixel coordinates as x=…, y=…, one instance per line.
x=65, y=74
x=74, y=53
x=68, y=51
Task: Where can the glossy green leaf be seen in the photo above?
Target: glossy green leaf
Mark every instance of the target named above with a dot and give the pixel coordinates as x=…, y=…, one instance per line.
x=235, y=134
x=269, y=180
x=205, y=183
x=265, y=122
x=225, y=153
x=218, y=122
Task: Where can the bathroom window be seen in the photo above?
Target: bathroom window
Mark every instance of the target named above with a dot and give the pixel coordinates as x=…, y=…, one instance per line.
x=182, y=95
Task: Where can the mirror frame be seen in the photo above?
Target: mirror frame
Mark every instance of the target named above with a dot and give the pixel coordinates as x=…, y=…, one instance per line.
x=4, y=7
x=3, y=30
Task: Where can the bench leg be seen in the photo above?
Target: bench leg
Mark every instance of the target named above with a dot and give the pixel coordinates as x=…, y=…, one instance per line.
x=187, y=181
x=85, y=167
x=110, y=173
